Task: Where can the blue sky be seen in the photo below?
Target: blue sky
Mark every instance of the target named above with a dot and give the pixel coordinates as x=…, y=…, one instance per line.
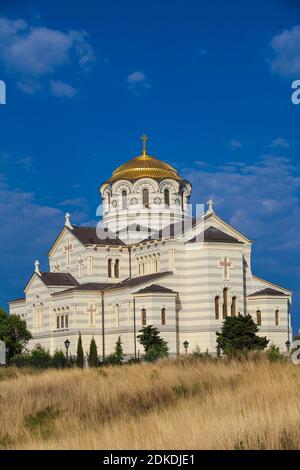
x=209, y=83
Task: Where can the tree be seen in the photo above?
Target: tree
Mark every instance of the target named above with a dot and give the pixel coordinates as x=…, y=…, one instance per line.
x=156, y=352
x=117, y=357
x=59, y=360
x=119, y=351
x=40, y=358
x=150, y=337
x=14, y=333
x=155, y=346
x=79, y=356
x=93, y=354
x=239, y=334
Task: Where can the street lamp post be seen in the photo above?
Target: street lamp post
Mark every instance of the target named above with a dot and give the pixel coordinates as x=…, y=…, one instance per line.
x=288, y=345
x=186, y=345
x=67, y=345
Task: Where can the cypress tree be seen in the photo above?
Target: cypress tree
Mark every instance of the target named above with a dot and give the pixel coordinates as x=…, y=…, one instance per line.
x=119, y=355
x=79, y=358
x=93, y=354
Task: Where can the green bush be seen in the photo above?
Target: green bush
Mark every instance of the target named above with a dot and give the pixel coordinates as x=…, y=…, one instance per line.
x=59, y=360
x=273, y=354
x=117, y=357
x=21, y=360
x=133, y=360
x=38, y=358
x=156, y=352
x=180, y=390
x=239, y=334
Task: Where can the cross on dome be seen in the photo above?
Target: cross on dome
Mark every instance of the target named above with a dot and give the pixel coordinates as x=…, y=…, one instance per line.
x=144, y=138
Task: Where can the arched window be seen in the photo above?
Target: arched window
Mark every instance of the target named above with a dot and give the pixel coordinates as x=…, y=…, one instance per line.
x=163, y=316
x=145, y=197
x=258, y=317
x=124, y=199
x=144, y=316
x=167, y=197
x=225, y=302
x=38, y=316
x=117, y=268
x=109, y=270
x=217, y=307
x=276, y=317
x=233, y=307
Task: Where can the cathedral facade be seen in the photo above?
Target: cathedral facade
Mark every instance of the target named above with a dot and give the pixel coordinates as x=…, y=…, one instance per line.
x=149, y=262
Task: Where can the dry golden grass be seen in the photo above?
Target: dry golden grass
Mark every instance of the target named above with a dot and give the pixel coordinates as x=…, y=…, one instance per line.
x=168, y=405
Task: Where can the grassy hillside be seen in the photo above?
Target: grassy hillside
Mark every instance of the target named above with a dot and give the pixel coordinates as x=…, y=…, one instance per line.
x=169, y=405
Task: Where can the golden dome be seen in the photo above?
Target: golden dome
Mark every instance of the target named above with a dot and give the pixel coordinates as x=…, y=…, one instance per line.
x=144, y=166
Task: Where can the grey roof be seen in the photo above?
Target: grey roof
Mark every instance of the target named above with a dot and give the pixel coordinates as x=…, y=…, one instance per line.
x=58, y=279
x=214, y=235
x=153, y=288
x=100, y=286
x=268, y=291
x=88, y=236
x=130, y=282
x=135, y=281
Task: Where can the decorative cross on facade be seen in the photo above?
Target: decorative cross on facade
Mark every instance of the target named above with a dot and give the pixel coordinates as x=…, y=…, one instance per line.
x=91, y=311
x=210, y=208
x=80, y=264
x=144, y=138
x=225, y=264
x=68, y=249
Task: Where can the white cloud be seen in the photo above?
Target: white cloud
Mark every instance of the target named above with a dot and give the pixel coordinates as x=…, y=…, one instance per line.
x=262, y=200
x=62, y=89
x=280, y=142
x=234, y=144
x=286, y=48
x=75, y=202
x=9, y=163
x=30, y=86
x=137, y=81
x=24, y=221
x=28, y=231
x=36, y=52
